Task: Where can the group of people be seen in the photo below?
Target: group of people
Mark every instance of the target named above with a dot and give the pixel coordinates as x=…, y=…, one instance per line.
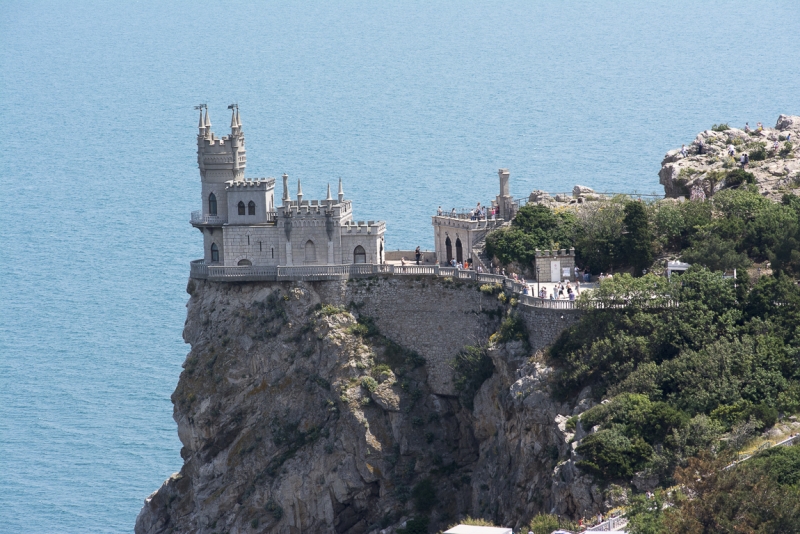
x=561, y=291
x=479, y=213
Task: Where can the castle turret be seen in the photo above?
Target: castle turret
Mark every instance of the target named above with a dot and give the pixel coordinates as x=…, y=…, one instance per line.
x=219, y=161
x=285, y=199
x=341, y=192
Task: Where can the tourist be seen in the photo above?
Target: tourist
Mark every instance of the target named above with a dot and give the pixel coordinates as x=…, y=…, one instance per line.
x=759, y=127
x=731, y=150
x=577, y=272
x=775, y=146
x=552, y=297
x=417, y=255
x=789, y=137
x=460, y=266
x=560, y=292
x=586, y=274
x=684, y=152
x=578, y=287
x=525, y=290
x=742, y=161
x=747, y=127
x=479, y=269
x=453, y=213
x=700, y=147
x=571, y=294
x=439, y=211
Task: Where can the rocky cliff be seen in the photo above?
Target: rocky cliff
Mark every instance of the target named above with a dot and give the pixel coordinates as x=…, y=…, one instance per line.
x=338, y=407
x=773, y=160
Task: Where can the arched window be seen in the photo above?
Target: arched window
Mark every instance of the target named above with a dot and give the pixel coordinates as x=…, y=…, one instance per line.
x=245, y=263
x=459, y=251
x=359, y=255
x=251, y=208
x=311, y=252
x=214, y=252
x=241, y=208
x=449, y=246
x=212, y=204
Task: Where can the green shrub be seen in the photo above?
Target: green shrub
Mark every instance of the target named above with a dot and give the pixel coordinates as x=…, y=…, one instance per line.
x=720, y=127
x=471, y=368
x=547, y=523
x=511, y=329
x=786, y=149
x=738, y=177
x=759, y=152
x=610, y=455
x=330, y=309
x=369, y=383
x=491, y=289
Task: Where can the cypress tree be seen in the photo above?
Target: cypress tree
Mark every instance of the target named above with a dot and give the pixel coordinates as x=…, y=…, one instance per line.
x=637, y=242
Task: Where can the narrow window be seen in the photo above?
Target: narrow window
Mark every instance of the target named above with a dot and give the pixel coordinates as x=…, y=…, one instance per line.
x=272, y=251
x=310, y=252
x=449, y=247
x=214, y=252
x=359, y=255
x=251, y=208
x=259, y=246
x=241, y=208
x=248, y=240
x=212, y=204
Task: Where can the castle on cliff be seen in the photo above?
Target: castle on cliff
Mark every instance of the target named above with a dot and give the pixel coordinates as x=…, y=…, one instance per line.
x=242, y=226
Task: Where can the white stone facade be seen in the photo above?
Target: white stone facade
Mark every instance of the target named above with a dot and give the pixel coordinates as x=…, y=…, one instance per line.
x=242, y=226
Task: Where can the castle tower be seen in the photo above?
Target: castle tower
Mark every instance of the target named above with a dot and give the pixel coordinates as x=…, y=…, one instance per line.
x=219, y=161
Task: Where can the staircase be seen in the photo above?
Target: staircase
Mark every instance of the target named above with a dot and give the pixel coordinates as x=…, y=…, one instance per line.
x=479, y=255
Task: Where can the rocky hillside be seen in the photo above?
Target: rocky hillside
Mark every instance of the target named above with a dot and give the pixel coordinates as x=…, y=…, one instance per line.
x=298, y=414
x=774, y=161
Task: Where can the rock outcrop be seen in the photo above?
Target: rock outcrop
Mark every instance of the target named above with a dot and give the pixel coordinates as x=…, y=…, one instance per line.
x=774, y=160
x=294, y=417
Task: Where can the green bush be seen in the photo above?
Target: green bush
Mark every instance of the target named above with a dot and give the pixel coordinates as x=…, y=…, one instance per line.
x=491, y=289
x=471, y=368
x=738, y=177
x=547, y=523
x=786, y=149
x=511, y=329
x=721, y=127
x=610, y=455
x=369, y=383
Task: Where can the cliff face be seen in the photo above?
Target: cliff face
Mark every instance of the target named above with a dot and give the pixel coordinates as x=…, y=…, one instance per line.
x=776, y=168
x=294, y=417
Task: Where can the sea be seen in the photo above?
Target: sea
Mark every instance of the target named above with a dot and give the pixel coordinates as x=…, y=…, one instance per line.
x=413, y=104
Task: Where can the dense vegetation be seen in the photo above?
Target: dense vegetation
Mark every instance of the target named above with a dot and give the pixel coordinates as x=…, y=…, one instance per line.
x=731, y=230
x=760, y=496
x=677, y=377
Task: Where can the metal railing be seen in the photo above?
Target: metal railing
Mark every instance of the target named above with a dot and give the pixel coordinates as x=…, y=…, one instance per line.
x=199, y=218
x=222, y=273
x=609, y=525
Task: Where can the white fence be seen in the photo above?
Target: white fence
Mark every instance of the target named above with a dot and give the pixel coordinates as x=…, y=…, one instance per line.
x=220, y=273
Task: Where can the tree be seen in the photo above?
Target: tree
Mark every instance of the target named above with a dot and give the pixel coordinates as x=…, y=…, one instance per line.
x=637, y=242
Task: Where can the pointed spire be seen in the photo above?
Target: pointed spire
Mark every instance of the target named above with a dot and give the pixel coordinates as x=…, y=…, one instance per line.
x=329, y=197
x=341, y=192
x=201, y=125
x=233, y=119
x=285, y=198
x=208, y=121
x=299, y=192
x=238, y=120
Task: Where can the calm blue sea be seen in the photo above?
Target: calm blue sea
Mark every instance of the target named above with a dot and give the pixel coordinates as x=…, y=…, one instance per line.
x=413, y=104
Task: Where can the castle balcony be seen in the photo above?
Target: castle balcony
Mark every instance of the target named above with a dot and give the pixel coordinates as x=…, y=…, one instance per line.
x=198, y=219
